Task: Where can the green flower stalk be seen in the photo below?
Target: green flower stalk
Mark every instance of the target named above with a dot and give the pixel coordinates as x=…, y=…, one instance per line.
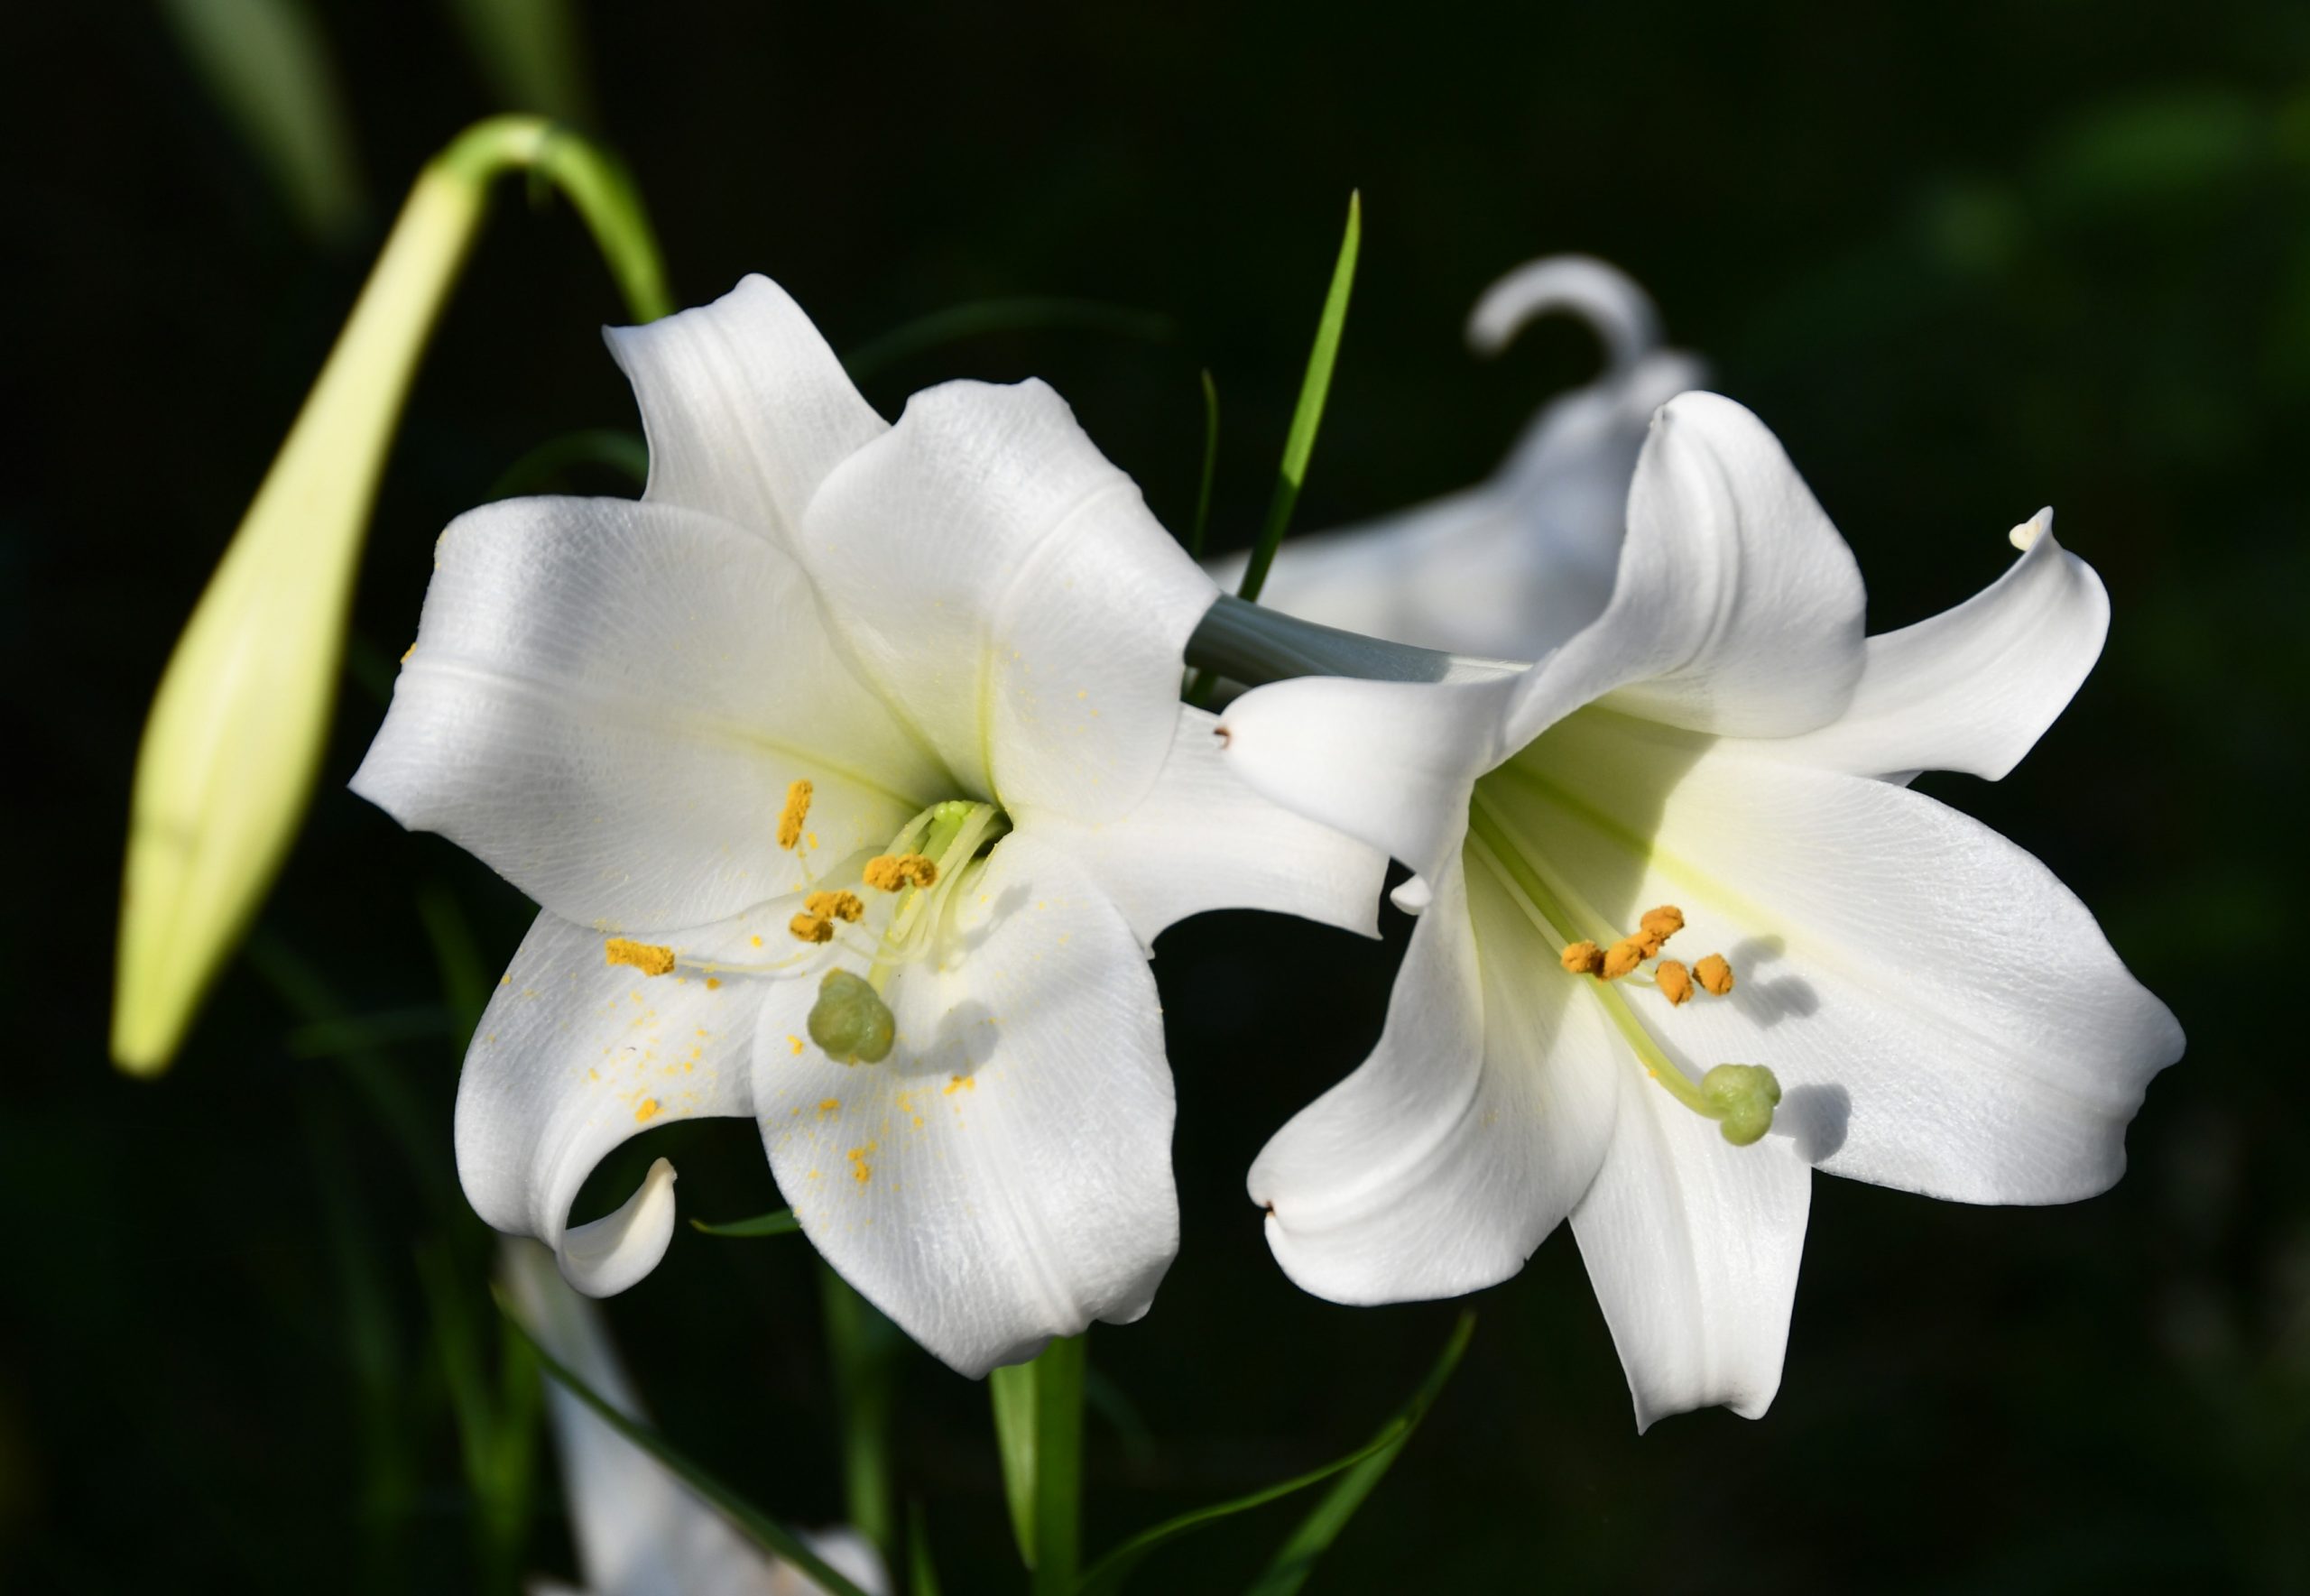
x=234, y=739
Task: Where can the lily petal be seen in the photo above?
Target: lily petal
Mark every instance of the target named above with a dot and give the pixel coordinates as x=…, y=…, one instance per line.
x=607, y=702
x=1007, y=587
x=573, y=1056
x=1944, y=1015
x=1390, y=763
x=1974, y=688
x=746, y=408
x=1693, y=1245
x=1515, y=566
x=1201, y=840
x=1467, y=1135
x=1003, y=1176
x=1737, y=608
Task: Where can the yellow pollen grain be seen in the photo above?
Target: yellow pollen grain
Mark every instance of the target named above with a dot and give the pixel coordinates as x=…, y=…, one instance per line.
x=1582, y=958
x=836, y=906
x=645, y=957
x=646, y=1111
x=1663, y=922
x=1653, y=931
x=959, y=1083
x=887, y=872
x=795, y=1043
x=861, y=1170
x=410, y=653
x=1675, y=984
x=797, y=810
x=713, y=984
x=828, y=1105
x=811, y=928
x=1715, y=973
x=1624, y=957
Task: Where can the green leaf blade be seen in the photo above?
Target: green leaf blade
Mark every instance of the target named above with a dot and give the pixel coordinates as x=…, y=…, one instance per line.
x=760, y=1527
x=1011, y=1391
x=1111, y=1571
x=1296, y=1559
x=778, y=1222
x=1307, y=416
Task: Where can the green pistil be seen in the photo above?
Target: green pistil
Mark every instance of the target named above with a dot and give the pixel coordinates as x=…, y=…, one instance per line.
x=850, y=1021
x=1739, y=1097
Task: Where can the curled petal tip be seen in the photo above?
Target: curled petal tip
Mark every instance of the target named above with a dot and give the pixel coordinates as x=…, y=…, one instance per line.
x=1619, y=312
x=606, y=1256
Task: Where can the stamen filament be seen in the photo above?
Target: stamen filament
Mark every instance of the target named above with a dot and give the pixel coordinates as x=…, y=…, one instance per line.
x=1490, y=844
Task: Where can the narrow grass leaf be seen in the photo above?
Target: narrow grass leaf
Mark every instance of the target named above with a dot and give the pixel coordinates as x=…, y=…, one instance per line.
x=533, y=53
x=1296, y=1560
x=1011, y=1391
x=763, y=1530
x=1022, y=314
x=268, y=68
x=1058, y=1463
x=1110, y=1571
x=921, y=1573
x=548, y=467
x=778, y=1222
x=1210, y=465
x=1307, y=416
x=864, y=1349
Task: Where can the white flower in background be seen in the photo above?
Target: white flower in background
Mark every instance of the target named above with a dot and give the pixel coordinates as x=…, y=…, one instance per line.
x=849, y=771
x=1544, y=533
x=637, y=1529
x=1861, y=980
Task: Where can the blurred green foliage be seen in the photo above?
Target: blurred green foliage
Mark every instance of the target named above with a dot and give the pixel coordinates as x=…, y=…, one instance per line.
x=1965, y=259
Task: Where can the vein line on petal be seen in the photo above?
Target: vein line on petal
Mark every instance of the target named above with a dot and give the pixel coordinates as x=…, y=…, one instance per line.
x=655, y=715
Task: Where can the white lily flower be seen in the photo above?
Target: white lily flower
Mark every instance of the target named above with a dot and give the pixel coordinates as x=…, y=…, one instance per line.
x=849, y=771
x=1925, y=1005
x=638, y=1530
x=1545, y=532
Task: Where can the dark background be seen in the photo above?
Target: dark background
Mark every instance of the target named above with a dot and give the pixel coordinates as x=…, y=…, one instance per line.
x=1965, y=259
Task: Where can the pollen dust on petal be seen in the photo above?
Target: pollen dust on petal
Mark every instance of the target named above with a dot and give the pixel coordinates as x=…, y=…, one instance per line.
x=645, y=1110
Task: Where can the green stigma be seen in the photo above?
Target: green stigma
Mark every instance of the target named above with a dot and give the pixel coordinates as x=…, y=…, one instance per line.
x=853, y=1025
x=1741, y=1098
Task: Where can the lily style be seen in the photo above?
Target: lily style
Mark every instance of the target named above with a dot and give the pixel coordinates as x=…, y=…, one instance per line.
x=1689, y=936
x=1543, y=532
x=848, y=770
x=638, y=1530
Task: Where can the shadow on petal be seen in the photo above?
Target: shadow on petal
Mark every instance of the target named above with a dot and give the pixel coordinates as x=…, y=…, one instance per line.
x=1815, y=1118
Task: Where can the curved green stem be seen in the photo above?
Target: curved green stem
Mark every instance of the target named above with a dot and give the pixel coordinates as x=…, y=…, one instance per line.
x=237, y=726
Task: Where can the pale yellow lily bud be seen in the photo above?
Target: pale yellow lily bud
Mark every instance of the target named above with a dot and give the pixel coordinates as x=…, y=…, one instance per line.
x=237, y=729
